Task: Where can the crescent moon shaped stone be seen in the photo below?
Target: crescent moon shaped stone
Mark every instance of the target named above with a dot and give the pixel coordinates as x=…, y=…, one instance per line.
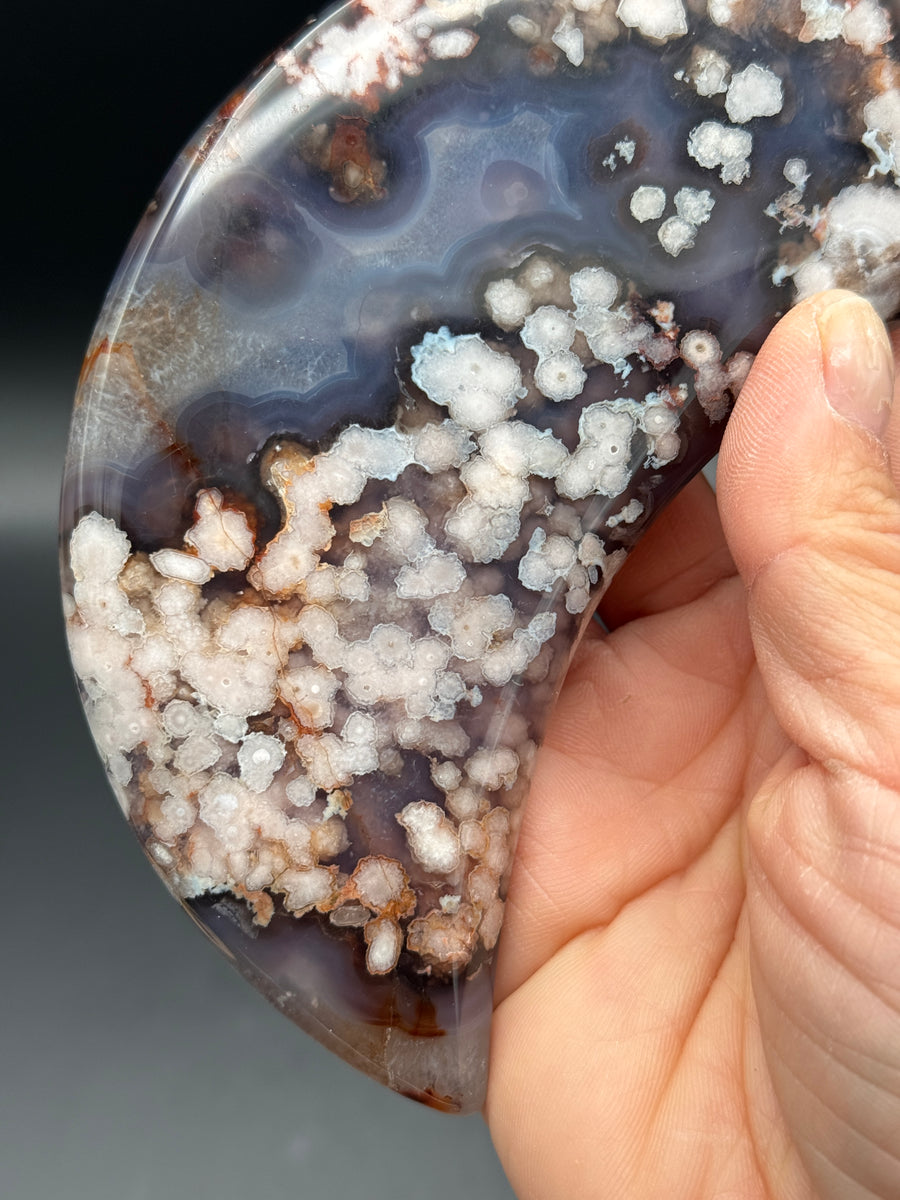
x=420, y=333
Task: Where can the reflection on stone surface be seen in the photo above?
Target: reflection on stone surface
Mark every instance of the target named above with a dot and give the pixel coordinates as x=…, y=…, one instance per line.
x=415, y=342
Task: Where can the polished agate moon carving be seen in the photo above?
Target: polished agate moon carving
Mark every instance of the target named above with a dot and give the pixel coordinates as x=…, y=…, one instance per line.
x=420, y=333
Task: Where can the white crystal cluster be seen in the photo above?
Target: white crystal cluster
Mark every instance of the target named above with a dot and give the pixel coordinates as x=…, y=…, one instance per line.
x=250, y=699
x=740, y=95
x=678, y=232
x=243, y=724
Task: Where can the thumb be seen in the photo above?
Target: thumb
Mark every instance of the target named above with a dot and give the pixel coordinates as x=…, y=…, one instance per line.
x=811, y=512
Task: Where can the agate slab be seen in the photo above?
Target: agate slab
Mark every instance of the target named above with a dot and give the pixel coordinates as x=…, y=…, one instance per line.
x=420, y=333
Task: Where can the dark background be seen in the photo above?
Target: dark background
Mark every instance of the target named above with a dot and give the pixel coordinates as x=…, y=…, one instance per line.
x=134, y=1062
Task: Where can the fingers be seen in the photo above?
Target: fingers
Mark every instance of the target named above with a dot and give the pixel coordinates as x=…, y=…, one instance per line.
x=681, y=556
x=810, y=508
x=807, y=488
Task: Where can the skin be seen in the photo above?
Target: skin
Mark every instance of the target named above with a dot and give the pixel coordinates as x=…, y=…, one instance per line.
x=699, y=982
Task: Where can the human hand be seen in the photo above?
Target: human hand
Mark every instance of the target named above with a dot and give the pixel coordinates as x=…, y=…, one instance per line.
x=698, y=991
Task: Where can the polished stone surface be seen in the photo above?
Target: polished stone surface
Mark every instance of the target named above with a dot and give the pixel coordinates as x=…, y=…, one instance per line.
x=422, y=330
x=128, y=1048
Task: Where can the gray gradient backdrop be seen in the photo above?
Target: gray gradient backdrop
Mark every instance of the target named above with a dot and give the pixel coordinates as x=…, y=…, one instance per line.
x=135, y=1063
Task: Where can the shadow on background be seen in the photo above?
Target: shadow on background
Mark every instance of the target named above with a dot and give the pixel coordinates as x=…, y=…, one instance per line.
x=136, y=1063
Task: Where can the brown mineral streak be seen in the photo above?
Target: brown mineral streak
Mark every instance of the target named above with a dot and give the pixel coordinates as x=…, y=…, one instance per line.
x=302, y=730
x=127, y=363
x=423, y=1025
x=261, y=902
x=216, y=126
x=403, y=906
x=350, y=148
x=90, y=361
x=431, y=1099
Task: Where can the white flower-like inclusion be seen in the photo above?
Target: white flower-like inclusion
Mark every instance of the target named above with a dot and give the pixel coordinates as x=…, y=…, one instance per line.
x=508, y=303
x=549, y=559
x=714, y=145
x=259, y=758
x=381, y=883
x=221, y=536
x=432, y=838
x=548, y=330
x=692, y=209
x=601, y=463
x=477, y=385
x=709, y=71
x=560, y=376
x=655, y=19
x=521, y=450
x=860, y=238
x=97, y=553
x=754, y=92
x=648, y=203
x=423, y=568
x=471, y=625
x=272, y=701
x=384, y=938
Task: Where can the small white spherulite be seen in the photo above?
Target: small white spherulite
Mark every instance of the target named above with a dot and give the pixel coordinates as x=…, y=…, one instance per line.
x=477, y=385
x=221, y=536
x=712, y=144
x=300, y=791
x=625, y=516
x=600, y=465
x=548, y=560
x=98, y=552
x=647, y=203
x=198, y=752
x=754, y=92
x=524, y=28
x=305, y=889
x=379, y=881
x=494, y=769
x=560, y=376
x=862, y=225
x=594, y=287
x=507, y=302
x=569, y=38
x=176, y=564
x=494, y=488
x=694, y=205
x=882, y=134
x=446, y=776
x=442, y=445
x=385, y=941
x=520, y=449
x=435, y=574
x=180, y=718
x=866, y=25
x=259, y=757
x=709, y=72
x=655, y=19
x=700, y=348
x=824, y=19
x=432, y=839
x=229, y=727
x=676, y=235
x=796, y=172
x=547, y=330
x=226, y=807
x=452, y=43
x=721, y=11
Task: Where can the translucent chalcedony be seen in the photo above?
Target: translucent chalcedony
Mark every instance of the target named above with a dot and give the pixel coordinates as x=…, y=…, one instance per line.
x=419, y=334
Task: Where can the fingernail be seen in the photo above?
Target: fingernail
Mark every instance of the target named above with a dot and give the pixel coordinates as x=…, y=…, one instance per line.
x=857, y=361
